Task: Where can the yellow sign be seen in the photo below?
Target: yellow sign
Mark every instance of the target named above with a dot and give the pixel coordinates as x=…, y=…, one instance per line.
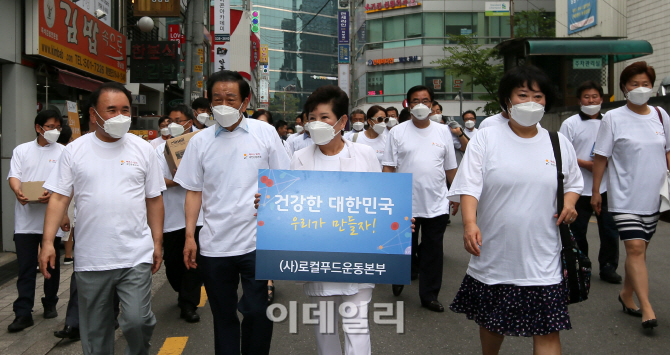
x=202, y=60
x=73, y=119
x=144, y=134
x=197, y=68
x=265, y=57
x=200, y=51
x=155, y=8
x=200, y=83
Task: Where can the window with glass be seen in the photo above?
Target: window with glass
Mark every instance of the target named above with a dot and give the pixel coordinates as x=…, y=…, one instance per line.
x=433, y=26
x=394, y=30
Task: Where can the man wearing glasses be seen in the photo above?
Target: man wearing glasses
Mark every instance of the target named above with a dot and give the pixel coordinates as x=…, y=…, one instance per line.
x=33, y=161
x=425, y=149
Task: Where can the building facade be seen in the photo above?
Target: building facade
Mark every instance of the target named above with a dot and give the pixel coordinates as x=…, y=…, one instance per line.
x=396, y=48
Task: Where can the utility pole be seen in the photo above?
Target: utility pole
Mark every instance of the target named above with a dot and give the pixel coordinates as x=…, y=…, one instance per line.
x=511, y=19
x=194, y=50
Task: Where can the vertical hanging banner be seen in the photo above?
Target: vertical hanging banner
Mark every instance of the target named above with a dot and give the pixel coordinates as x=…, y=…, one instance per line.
x=582, y=14
x=221, y=57
x=343, y=77
x=255, y=51
x=264, y=91
x=73, y=119
x=221, y=21
x=264, y=54
x=343, y=27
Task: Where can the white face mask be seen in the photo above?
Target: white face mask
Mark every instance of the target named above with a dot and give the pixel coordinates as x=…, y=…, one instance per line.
x=469, y=124
x=206, y=119
x=379, y=127
x=299, y=129
x=321, y=132
x=226, y=116
x=392, y=122
x=51, y=136
x=639, y=96
x=527, y=113
x=591, y=109
x=435, y=118
x=116, y=126
x=358, y=126
x=165, y=131
x=176, y=129
x=420, y=111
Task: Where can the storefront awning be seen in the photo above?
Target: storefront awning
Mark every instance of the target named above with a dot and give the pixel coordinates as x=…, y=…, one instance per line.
x=620, y=49
x=77, y=81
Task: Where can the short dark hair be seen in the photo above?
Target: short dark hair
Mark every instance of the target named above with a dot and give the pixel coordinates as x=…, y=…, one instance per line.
x=404, y=115
x=163, y=119
x=418, y=88
x=435, y=103
x=65, y=135
x=260, y=112
x=467, y=112
x=228, y=76
x=372, y=111
x=184, y=110
x=280, y=124
x=357, y=111
x=588, y=85
x=329, y=94
x=292, y=128
x=110, y=86
x=636, y=68
x=42, y=118
x=525, y=75
x=389, y=109
x=200, y=103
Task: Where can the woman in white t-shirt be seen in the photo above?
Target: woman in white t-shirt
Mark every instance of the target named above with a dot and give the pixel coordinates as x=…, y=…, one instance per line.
x=507, y=187
x=633, y=143
x=375, y=136
x=327, y=110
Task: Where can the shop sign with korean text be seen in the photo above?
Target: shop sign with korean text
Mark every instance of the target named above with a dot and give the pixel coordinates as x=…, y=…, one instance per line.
x=334, y=226
x=61, y=31
x=154, y=61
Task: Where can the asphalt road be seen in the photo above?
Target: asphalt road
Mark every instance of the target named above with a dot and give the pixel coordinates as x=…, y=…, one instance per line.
x=599, y=325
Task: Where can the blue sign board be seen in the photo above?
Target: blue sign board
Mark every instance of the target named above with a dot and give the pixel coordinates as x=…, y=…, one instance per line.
x=334, y=226
x=582, y=14
x=343, y=27
x=343, y=53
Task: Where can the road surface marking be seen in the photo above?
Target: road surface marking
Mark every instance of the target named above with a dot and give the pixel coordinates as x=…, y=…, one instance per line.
x=203, y=297
x=173, y=346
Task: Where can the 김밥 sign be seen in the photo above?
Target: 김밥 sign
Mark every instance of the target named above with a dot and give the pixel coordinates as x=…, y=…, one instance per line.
x=333, y=226
x=63, y=32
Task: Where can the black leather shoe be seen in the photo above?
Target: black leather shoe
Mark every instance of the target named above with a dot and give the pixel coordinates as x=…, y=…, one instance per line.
x=434, y=306
x=650, y=324
x=68, y=333
x=397, y=289
x=610, y=276
x=190, y=316
x=20, y=323
x=50, y=312
x=630, y=311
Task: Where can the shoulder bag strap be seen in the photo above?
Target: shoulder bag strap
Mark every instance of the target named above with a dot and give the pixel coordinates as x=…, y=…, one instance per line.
x=560, y=195
x=355, y=137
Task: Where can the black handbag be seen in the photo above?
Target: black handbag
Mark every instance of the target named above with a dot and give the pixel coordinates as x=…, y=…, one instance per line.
x=576, y=265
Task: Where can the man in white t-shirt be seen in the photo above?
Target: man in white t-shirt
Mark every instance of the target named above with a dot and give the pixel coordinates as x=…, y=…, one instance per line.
x=34, y=161
x=357, y=123
x=187, y=283
x=582, y=129
x=163, y=124
x=219, y=170
x=116, y=182
x=298, y=141
x=424, y=149
x=469, y=121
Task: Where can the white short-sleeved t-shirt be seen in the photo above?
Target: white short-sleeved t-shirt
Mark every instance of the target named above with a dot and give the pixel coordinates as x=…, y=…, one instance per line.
x=470, y=133
x=635, y=146
x=378, y=144
x=111, y=183
x=514, y=180
x=582, y=134
x=350, y=134
x=426, y=154
x=157, y=141
x=32, y=162
x=224, y=166
x=174, y=198
x=297, y=141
